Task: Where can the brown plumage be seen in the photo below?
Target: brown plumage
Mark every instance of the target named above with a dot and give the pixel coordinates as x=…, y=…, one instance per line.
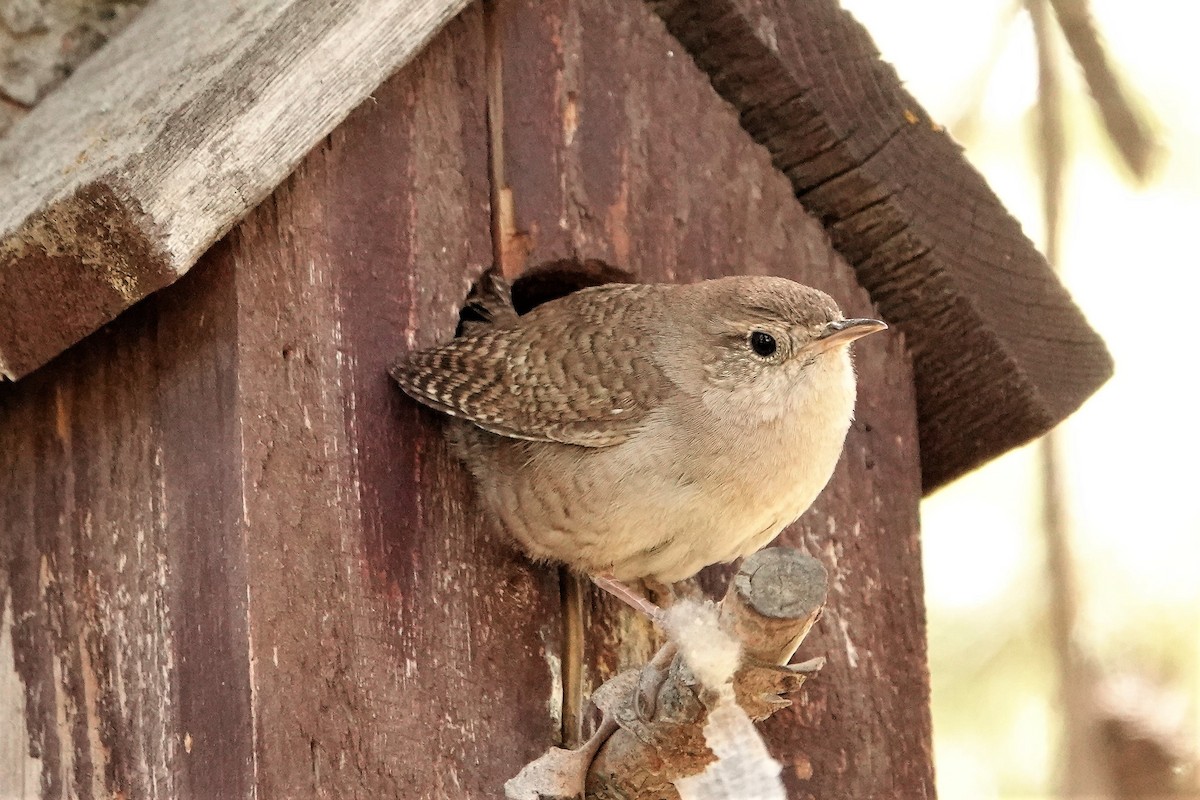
x=646, y=430
x=550, y=376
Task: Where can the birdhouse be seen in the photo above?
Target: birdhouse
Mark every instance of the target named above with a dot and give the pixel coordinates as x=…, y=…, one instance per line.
x=236, y=561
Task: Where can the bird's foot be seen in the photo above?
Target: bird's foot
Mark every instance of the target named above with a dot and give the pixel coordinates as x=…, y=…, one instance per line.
x=628, y=596
x=654, y=675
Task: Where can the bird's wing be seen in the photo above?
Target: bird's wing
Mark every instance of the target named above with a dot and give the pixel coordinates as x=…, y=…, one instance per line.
x=578, y=372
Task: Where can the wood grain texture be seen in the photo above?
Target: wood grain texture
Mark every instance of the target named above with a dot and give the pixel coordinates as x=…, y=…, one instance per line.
x=237, y=561
x=119, y=181
x=616, y=147
x=400, y=649
x=119, y=557
x=1001, y=353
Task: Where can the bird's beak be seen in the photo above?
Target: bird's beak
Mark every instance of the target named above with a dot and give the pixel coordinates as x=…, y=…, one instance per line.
x=845, y=331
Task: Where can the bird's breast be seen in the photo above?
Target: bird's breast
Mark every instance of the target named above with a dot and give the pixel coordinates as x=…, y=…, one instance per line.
x=696, y=486
x=767, y=469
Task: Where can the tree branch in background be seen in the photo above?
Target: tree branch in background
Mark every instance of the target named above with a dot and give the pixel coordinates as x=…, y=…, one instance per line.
x=1109, y=752
x=1128, y=129
x=1083, y=773
x=964, y=122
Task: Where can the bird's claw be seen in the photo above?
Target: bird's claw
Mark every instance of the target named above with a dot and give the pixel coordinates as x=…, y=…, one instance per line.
x=645, y=699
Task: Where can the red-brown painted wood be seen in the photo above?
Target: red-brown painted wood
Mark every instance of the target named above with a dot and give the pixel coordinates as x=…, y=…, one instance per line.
x=121, y=556
x=239, y=562
x=616, y=147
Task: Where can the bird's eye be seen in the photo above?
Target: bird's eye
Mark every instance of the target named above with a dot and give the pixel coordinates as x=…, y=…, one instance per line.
x=763, y=343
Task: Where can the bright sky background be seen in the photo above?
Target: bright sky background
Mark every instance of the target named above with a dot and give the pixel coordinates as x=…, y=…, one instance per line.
x=1130, y=261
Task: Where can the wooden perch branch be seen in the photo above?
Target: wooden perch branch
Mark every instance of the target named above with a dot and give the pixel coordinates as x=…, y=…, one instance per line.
x=773, y=602
x=770, y=606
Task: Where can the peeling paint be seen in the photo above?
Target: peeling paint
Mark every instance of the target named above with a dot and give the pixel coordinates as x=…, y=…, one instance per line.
x=554, y=703
x=98, y=753
x=851, y=650
x=20, y=771
x=570, y=118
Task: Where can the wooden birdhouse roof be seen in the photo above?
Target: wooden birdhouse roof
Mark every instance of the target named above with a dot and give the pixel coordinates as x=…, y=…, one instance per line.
x=116, y=184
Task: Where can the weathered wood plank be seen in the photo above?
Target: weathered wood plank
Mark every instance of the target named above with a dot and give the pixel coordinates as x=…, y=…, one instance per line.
x=1000, y=351
x=238, y=562
x=119, y=557
x=400, y=649
x=202, y=497
x=119, y=181
x=616, y=147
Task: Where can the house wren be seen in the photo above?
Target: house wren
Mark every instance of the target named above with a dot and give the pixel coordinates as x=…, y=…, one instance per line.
x=647, y=431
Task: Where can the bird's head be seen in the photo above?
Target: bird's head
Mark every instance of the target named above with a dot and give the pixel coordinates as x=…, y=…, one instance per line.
x=764, y=340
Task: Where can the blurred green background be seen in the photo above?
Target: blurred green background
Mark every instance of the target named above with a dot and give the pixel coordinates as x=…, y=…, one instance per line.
x=1127, y=466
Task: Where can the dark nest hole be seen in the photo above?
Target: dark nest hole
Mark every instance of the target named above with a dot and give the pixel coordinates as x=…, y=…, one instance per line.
x=549, y=281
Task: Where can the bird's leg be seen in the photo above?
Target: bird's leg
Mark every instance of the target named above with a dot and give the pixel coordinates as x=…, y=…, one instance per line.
x=628, y=596
x=655, y=672
x=663, y=594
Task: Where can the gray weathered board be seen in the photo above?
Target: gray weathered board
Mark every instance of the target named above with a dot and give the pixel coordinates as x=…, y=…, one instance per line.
x=116, y=183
